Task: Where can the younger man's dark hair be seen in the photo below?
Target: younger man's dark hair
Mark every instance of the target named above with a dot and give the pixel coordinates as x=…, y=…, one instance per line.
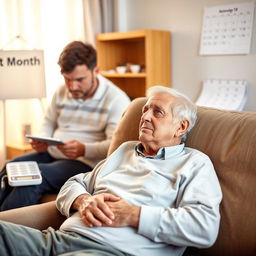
x=77, y=53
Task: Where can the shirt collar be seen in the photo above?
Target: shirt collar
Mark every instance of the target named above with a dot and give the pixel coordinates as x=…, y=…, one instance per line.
x=163, y=153
x=100, y=92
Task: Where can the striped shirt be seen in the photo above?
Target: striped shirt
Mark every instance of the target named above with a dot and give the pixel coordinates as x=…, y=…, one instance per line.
x=91, y=121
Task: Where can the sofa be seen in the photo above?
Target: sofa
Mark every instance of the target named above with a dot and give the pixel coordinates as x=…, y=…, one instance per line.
x=229, y=139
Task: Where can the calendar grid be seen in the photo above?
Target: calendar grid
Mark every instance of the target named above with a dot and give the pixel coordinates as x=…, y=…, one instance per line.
x=227, y=29
x=226, y=94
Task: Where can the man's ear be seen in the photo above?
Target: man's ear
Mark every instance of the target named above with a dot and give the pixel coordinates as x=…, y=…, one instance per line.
x=96, y=70
x=184, y=125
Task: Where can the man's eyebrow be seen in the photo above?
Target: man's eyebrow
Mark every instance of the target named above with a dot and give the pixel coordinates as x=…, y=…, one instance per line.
x=158, y=107
x=79, y=78
x=155, y=106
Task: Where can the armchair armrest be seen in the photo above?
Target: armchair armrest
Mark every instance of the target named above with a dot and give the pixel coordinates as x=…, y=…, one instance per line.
x=39, y=216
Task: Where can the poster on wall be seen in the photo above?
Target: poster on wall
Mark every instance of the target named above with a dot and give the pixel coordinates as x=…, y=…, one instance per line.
x=22, y=74
x=227, y=29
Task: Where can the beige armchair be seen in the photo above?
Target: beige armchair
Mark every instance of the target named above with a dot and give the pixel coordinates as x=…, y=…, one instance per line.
x=229, y=138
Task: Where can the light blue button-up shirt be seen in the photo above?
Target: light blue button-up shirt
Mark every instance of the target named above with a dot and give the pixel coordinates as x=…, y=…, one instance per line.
x=162, y=153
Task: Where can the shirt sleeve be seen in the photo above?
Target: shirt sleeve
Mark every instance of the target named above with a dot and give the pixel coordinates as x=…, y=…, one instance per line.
x=195, y=219
x=49, y=122
x=75, y=186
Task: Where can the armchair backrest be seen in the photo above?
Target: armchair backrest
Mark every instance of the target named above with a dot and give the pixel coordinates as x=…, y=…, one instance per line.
x=128, y=127
x=229, y=139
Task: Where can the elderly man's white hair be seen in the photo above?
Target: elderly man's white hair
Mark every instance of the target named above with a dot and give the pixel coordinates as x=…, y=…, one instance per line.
x=183, y=109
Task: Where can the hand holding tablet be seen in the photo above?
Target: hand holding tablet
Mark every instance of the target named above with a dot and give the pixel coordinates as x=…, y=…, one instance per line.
x=48, y=140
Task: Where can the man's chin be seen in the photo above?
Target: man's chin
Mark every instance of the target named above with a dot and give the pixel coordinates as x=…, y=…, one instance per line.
x=143, y=137
x=77, y=95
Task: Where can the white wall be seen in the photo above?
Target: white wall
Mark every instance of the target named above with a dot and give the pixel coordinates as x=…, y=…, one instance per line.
x=184, y=19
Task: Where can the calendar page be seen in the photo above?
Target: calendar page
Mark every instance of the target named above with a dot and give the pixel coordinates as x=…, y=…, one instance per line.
x=227, y=29
x=223, y=94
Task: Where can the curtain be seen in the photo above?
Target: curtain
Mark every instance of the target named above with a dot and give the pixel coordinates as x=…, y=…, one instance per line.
x=98, y=18
x=20, y=26
x=19, y=30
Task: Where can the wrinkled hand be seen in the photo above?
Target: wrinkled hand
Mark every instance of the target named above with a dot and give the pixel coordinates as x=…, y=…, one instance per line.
x=38, y=145
x=94, y=210
x=125, y=214
x=72, y=149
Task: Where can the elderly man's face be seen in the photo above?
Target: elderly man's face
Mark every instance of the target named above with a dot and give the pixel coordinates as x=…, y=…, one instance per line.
x=156, y=125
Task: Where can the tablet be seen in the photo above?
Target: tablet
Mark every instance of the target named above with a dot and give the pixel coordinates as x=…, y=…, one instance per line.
x=50, y=141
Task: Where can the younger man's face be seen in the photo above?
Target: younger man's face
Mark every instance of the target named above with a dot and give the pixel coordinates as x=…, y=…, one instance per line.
x=81, y=81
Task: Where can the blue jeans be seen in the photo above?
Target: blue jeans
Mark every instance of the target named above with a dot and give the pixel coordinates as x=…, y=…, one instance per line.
x=54, y=174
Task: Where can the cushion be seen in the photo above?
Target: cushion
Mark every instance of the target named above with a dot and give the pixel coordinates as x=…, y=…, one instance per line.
x=229, y=139
x=128, y=127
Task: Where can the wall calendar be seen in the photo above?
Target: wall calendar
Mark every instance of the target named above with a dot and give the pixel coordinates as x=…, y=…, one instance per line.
x=227, y=29
x=223, y=94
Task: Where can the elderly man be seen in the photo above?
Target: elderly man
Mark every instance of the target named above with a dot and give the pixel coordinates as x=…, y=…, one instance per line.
x=150, y=197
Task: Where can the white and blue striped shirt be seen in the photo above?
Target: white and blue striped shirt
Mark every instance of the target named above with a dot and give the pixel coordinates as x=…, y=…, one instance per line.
x=91, y=121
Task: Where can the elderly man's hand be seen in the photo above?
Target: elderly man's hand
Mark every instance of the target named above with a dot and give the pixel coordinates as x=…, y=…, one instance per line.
x=94, y=210
x=125, y=214
x=72, y=149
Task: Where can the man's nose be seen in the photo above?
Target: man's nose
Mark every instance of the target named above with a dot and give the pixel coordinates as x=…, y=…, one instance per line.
x=72, y=85
x=147, y=115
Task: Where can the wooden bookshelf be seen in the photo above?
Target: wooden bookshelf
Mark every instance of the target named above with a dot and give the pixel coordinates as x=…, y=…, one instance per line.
x=148, y=48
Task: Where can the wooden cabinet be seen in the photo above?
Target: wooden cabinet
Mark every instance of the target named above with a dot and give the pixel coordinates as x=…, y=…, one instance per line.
x=14, y=150
x=148, y=48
